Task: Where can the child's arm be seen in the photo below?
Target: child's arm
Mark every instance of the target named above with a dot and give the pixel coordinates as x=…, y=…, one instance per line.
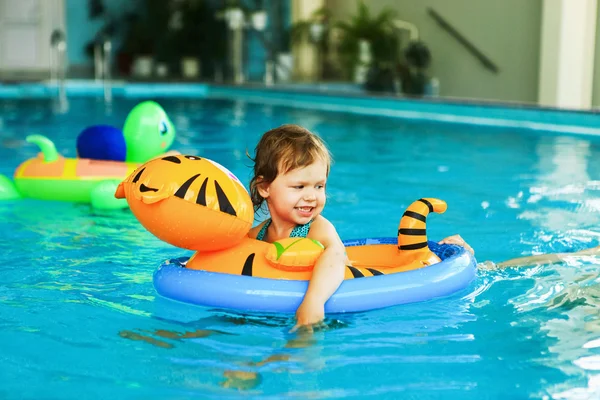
x=327, y=276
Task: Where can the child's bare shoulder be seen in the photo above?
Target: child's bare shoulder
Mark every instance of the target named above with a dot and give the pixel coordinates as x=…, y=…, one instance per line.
x=321, y=223
x=253, y=233
x=322, y=230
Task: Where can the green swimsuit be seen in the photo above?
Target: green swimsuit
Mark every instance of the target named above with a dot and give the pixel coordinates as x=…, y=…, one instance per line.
x=300, y=231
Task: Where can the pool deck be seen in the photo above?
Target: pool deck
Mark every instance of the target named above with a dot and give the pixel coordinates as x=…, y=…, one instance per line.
x=336, y=98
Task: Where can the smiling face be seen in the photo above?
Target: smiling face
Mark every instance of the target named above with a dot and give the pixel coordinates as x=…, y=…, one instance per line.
x=189, y=202
x=297, y=196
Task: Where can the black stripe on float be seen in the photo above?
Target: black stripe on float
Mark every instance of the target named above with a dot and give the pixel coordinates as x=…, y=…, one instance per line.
x=428, y=204
x=414, y=246
x=415, y=215
x=184, y=188
x=224, y=203
x=374, y=271
x=144, y=189
x=202, y=194
x=172, y=159
x=356, y=273
x=247, y=270
x=138, y=176
x=412, y=232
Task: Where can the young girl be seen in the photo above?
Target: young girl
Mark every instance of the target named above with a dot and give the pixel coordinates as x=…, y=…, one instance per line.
x=291, y=166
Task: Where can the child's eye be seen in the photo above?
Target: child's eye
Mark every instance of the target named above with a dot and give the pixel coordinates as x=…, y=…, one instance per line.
x=320, y=187
x=298, y=187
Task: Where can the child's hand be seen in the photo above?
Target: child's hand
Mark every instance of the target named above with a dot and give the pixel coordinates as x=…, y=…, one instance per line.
x=309, y=313
x=456, y=239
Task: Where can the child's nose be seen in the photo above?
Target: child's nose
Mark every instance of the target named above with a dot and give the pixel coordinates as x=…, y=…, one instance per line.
x=309, y=195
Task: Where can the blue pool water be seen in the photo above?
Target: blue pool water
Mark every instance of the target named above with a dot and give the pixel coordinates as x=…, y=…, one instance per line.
x=79, y=315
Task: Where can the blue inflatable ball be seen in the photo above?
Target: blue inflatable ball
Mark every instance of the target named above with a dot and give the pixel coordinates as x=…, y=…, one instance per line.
x=101, y=142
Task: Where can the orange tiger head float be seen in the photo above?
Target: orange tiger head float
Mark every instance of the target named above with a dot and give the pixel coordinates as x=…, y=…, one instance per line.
x=189, y=202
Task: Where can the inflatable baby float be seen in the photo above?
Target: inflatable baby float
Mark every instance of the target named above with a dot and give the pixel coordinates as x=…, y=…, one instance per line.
x=196, y=204
x=106, y=157
x=147, y=133
x=50, y=176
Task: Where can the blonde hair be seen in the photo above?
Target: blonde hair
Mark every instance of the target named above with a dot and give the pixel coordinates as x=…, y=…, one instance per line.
x=287, y=147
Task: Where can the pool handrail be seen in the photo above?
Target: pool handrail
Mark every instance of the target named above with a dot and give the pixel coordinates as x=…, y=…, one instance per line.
x=444, y=24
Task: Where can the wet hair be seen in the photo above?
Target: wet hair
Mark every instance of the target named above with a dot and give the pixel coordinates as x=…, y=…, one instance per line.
x=281, y=150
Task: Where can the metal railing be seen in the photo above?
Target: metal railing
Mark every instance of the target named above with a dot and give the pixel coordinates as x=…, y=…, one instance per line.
x=58, y=44
x=257, y=21
x=102, y=52
x=444, y=24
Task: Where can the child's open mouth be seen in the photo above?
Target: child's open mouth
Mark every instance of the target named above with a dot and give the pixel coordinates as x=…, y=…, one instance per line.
x=305, y=210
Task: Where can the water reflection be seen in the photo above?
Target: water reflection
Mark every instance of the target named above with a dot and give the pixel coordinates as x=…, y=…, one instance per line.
x=565, y=300
x=562, y=190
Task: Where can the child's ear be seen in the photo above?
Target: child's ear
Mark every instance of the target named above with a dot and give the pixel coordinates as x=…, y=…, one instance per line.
x=262, y=187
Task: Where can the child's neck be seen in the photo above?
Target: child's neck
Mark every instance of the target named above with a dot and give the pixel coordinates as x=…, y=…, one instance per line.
x=279, y=229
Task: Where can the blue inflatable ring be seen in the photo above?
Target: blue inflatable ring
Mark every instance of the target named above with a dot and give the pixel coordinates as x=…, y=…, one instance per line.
x=244, y=293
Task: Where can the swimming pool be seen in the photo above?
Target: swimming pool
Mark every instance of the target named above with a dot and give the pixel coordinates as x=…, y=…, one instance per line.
x=78, y=313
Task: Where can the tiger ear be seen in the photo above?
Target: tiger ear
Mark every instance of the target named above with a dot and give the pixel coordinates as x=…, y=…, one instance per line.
x=120, y=192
